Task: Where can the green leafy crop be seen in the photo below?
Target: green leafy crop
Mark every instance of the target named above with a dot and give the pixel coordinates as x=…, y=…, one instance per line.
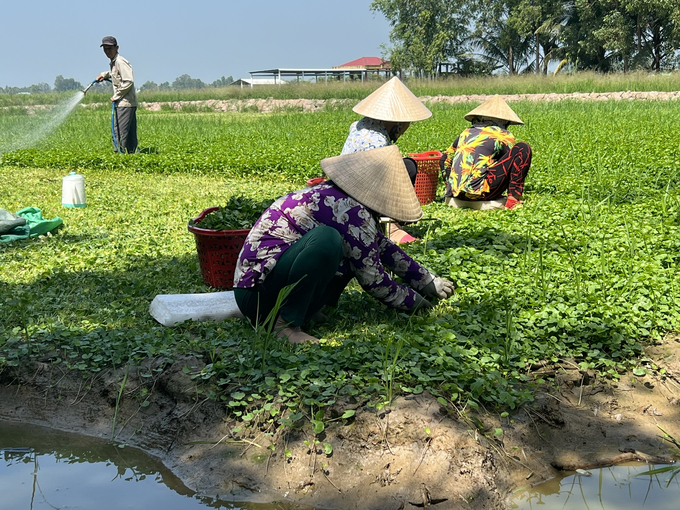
x=238, y=213
x=587, y=272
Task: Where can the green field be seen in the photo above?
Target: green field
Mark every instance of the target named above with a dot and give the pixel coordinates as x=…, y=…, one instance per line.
x=520, y=84
x=586, y=272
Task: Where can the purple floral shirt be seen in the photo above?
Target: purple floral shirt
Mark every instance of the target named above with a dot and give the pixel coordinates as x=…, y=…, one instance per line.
x=368, y=252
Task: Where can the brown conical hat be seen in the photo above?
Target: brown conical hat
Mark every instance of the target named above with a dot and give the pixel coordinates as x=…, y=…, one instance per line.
x=393, y=102
x=378, y=179
x=495, y=107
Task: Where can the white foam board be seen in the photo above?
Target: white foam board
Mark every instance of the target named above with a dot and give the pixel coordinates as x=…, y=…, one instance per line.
x=173, y=309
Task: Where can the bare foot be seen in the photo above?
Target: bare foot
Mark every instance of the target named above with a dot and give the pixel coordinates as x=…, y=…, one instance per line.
x=296, y=336
x=293, y=333
x=400, y=236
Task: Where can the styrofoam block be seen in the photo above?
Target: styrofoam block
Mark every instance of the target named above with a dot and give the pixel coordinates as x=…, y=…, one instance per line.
x=173, y=309
x=479, y=205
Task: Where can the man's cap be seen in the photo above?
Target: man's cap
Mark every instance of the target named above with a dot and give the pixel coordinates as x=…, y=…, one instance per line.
x=378, y=179
x=393, y=102
x=109, y=40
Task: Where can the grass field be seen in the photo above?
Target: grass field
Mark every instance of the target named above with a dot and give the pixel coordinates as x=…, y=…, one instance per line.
x=523, y=84
x=586, y=271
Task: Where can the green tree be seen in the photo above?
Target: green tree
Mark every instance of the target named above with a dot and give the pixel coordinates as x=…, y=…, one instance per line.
x=149, y=86
x=582, y=46
x=187, y=82
x=222, y=82
x=425, y=33
x=40, y=87
x=542, y=21
x=657, y=28
x=617, y=35
x=62, y=84
x=503, y=42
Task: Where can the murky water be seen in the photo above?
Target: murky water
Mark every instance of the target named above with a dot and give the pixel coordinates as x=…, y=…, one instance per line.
x=613, y=488
x=45, y=469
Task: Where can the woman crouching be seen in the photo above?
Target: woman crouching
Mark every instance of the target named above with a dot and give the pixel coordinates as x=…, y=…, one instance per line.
x=485, y=160
x=318, y=238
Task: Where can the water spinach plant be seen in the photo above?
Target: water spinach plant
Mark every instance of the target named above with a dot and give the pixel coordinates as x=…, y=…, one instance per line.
x=586, y=271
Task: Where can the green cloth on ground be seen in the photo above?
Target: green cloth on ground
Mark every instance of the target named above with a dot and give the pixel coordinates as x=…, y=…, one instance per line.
x=35, y=225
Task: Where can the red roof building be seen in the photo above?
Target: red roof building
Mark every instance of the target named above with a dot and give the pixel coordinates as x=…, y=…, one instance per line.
x=368, y=63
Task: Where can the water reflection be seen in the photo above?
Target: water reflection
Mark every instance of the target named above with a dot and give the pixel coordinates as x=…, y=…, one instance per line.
x=46, y=469
x=613, y=488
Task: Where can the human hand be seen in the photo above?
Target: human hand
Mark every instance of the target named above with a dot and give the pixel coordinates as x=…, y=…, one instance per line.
x=439, y=288
x=100, y=78
x=513, y=203
x=421, y=303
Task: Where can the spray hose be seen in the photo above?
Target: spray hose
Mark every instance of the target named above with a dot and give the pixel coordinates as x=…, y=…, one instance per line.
x=113, y=116
x=88, y=87
x=113, y=128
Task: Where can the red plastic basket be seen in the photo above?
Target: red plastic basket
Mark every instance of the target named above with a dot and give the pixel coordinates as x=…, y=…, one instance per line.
x=428, y=175
x=218, y=251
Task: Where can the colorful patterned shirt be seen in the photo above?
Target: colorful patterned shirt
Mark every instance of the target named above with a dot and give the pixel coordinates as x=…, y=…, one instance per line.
x=367, y=252
x=474, y=151
x=366, y=134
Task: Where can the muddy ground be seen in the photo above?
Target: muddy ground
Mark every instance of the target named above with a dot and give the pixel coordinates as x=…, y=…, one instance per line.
x=412, y=454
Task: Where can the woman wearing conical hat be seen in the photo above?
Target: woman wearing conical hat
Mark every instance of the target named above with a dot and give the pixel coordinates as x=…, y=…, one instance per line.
x=317, y=239
x=388, y=112
x=485, y=160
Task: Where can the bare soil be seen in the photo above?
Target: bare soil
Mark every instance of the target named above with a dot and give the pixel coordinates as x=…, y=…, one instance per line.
x=412, y=454
x=271, y=105
x=309, y=105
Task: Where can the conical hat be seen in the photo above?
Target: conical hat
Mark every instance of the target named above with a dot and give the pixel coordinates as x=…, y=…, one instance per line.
x=378, y=179
x=393, y=102
x=495, y=107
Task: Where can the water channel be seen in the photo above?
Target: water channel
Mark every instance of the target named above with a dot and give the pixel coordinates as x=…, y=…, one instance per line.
x=45, y=469
x=612, y=488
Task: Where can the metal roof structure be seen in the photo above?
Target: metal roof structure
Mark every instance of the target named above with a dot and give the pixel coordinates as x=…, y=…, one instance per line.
x=280, y=74
x=249, y=82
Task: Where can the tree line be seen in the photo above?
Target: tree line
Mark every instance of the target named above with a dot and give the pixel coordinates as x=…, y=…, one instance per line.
x=62, y=84
x=469, y=37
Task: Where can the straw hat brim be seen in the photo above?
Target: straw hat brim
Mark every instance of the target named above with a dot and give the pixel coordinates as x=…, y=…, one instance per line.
x=393, y=102
x=496, y=108
x=377, y=179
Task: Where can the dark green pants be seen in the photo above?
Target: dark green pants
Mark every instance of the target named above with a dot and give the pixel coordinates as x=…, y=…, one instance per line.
x=125, y=129
x=311, y=264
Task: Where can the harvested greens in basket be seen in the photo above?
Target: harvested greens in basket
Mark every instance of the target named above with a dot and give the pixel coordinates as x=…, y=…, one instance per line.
x=237, y=214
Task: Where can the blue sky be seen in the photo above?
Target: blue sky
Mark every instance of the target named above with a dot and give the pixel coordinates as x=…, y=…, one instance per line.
x=206, y=39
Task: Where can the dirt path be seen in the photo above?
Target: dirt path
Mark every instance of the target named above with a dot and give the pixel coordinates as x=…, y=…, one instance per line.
x=310, y=105
x=381, y=460
x=271, y=105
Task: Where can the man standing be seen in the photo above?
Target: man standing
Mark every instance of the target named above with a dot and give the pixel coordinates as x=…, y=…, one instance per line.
x=124, y=98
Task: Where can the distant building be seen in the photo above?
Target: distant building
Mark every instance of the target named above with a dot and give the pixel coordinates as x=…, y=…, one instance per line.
x=367, y=63
x=358, y=69
x=251, y=82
